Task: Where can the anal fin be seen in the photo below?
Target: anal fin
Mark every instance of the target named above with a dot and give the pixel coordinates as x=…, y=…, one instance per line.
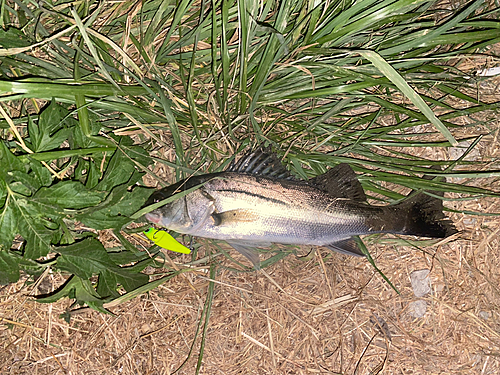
x=347, y=247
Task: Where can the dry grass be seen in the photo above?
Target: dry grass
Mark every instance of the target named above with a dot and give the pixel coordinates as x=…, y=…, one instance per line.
x=331, y=314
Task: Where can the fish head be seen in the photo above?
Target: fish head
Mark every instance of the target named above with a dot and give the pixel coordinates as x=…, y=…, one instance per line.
x=183, y=215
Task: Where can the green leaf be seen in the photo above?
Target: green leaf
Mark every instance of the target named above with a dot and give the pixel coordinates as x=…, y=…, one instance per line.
x=18, y=187
x=84, y=258
x=127, y=257
x=13, y=38
x=75, y=288
x=99, y=220
x=116, y=210
x=125, y=277
x=93, y=175
x=118, y=171
x=89, y=257
x=8, y=161
x=40, y=172
x=8, y=226
x=32, y=226
x=70, y=195
x=52, y=118
x=130, y=201
x=9, y=268
x=49, y=142
x=388, y=71
x=30, y=183
x=49, y=134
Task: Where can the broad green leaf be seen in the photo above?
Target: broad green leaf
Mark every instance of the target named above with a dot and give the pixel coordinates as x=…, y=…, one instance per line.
x=13, y=38
x=75, y=288
x=84, y=258
x=9, y=268
x=93, y=175
x=127, y=257
x=107, y=285
x=114, y=212
x=41, y=173
x=49, y=142
x=99, y=220
x=130, y=201
x=8, y=161
x=52, y=118
x=124, y=276
x=70, y=195
x=30, y=183
x=118, y=171
x=18, y=187
x=32, y=225
x=8, y=226
x=53, y=127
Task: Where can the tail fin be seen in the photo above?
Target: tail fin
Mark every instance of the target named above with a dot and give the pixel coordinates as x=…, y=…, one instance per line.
x=422, y=215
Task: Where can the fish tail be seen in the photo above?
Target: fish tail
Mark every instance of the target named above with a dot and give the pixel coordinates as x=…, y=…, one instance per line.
x=422, y=215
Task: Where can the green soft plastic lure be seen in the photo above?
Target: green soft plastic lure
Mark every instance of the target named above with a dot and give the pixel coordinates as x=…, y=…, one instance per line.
x=166, y=241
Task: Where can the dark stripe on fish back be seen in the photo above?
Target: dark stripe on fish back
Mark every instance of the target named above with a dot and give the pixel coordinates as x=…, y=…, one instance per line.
x=268, y=199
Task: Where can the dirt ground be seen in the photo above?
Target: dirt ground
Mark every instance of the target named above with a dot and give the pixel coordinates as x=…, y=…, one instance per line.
x=318, y=313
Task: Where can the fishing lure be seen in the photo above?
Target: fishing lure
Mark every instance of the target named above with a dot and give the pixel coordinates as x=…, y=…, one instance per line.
x=166, y=241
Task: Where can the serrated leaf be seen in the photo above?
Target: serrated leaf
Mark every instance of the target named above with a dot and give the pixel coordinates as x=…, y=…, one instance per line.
x=30, y=223
x=48, y=134
x=138, y=154
x=130, y=201
x=8, y=161
x=126, y=277
x=51, y=141
x=70, y=195
x=84, y=258
x=9, y=268
x=19, y=188
x=52, y=118
x=8, y=226
x=100, y=221
x=30, y=183
x=114, y=212
x=118, y=171
x=75, y=288
x=106, y=286
x=13, y=38
x=41, y=173
x=127, y=257
x=93, y=175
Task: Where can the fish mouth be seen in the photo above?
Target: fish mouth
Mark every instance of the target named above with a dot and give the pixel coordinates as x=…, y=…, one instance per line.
x=154, y=218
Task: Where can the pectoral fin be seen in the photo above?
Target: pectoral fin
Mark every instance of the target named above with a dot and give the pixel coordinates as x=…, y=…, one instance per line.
x=347, y=246
x=248, y=251
x=234, y=217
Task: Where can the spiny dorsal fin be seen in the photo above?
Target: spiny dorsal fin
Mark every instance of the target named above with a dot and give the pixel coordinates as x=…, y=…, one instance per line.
x=262, y=162
x=340, y=182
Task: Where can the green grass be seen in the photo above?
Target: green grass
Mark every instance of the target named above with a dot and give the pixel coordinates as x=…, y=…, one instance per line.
x=359, y=79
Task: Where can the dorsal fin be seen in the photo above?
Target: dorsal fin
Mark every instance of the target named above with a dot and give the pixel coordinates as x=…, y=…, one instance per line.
x=262, y=162
x=340, y=182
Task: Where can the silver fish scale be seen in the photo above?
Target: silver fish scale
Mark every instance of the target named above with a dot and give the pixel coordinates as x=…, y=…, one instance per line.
x=272, y=210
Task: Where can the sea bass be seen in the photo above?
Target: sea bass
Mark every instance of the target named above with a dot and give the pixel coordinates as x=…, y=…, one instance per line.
x=256, y=202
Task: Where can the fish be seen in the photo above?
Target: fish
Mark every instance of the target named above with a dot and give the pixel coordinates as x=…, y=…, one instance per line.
x=256, y=202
